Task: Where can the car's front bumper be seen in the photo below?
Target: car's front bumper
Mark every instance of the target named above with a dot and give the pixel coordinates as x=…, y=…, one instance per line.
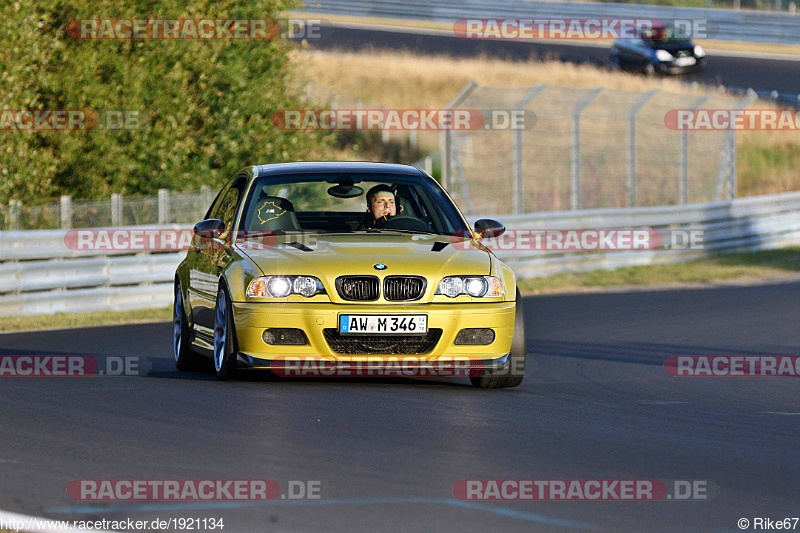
x=669, y=67
x=251, y=319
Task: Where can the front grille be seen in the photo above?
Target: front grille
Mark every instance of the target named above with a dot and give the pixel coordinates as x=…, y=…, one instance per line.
x=358, y=288
x=382, y=344
x=403, y=288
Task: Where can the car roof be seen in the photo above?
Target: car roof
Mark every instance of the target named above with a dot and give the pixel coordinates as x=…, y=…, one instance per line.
x=302, y=167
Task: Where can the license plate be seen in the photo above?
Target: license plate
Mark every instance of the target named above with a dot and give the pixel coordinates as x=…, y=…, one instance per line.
x=383, y=324
x=685, y=61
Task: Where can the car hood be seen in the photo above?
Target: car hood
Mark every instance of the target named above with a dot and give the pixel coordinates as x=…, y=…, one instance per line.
x=328, y=256
x=675, y=48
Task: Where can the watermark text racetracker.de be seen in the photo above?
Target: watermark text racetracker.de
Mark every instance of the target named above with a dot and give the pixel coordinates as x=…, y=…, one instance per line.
x=581, y=29
x=71, y=366
x=192, y=490
x=733, y=365
x=144, y=239
x=203, y=29
x=732, y=119
x=41, y=120
x=583, y=489
x=629, y=239
x=383, y=367
x=342, y=119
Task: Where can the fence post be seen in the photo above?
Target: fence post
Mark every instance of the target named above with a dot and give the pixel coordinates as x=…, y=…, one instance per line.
x=14, y=209
x=116, y=209
x=445, y=139
x=428, y=164
x=446, y=135
x=517, y=156
x=384, y=131
x=66, y=211
x=163, y=206
x=206, y=198
x=751, y=97
x=683, y=157
x=575, y=200
x=630, y=184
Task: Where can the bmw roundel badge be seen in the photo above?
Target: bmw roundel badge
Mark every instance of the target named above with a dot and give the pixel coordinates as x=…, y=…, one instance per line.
x=379, y=266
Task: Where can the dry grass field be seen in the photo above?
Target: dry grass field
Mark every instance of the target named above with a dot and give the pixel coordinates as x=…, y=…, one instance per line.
x=768, y=162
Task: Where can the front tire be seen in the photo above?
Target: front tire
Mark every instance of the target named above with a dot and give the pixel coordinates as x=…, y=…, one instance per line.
x=513, y=375
x=185, y=358
x=225, y=348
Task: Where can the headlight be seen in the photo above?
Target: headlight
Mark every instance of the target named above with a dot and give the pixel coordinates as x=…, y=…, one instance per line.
x=451, y=287
x=476, y=286
x=698, y=51
x=663, y=55
x=305, y=285
x=283, y=286
x=279, y=287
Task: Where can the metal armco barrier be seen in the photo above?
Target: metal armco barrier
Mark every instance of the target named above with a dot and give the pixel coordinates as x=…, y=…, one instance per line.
x=745, y=224
x=40, y=275
x=728, y=24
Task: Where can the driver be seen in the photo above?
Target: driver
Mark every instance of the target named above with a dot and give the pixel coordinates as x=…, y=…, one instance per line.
x=381, y=205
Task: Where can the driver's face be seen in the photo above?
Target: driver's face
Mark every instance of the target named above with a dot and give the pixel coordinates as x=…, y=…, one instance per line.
x=382, y=204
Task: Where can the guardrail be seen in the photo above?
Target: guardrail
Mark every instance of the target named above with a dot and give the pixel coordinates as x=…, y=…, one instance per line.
x=39, y=274
x=744, y=224
x=733, y=25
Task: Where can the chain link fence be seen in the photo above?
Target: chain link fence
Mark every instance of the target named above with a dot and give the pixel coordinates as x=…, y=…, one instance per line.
x=318, y=95
x=588, y=149
x=165, y=208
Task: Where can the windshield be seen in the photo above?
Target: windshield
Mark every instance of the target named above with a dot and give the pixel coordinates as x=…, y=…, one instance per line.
x=660, y=36
x=349, y=203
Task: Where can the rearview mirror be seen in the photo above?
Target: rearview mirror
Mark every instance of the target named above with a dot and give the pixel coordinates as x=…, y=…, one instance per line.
x=488, y=228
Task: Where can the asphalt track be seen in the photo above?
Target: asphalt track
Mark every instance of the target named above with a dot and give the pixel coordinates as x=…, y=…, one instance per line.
x=759, y=73
x=388, y=452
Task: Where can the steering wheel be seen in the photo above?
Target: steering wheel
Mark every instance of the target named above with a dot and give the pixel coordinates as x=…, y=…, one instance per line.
x=406, y=222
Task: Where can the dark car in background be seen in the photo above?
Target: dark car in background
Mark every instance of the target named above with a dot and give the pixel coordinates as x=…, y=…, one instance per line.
x=663, y=50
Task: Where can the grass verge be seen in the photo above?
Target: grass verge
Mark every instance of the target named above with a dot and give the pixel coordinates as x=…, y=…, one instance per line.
x=77, y=320
x=740, y=267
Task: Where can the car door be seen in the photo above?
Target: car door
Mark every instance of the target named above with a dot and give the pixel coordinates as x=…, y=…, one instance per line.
x=212, y=255
x=632, y=53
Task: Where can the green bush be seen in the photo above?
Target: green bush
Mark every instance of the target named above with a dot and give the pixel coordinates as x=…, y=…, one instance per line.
x=205, y=104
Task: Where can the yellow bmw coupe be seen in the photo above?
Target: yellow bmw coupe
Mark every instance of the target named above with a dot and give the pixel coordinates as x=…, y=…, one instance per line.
x=346, y=269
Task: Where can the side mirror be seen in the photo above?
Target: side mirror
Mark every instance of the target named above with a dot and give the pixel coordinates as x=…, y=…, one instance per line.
x=209, y=229
x=488, y=228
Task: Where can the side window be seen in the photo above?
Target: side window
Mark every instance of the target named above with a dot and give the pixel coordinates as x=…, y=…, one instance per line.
x=214, y=207
x=227, y=208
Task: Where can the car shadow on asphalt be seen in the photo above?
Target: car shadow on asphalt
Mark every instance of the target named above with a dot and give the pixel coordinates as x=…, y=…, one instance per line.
x=164, y=368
